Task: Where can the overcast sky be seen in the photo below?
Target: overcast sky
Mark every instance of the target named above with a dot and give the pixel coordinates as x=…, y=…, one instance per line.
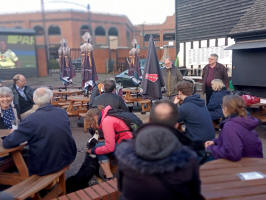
x=138, y=11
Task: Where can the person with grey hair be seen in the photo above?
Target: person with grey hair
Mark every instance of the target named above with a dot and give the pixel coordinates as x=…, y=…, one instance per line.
x=22, y=95
x=48, y=134
x=213, y=70
x=8, y=112
x=216, y=100
x=42, y=96
x=171, y=76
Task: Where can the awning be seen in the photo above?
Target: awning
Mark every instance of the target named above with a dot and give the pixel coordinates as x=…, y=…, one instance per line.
x=248, y=45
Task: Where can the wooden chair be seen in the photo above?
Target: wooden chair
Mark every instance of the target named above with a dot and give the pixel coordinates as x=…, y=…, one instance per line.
x=31, y=186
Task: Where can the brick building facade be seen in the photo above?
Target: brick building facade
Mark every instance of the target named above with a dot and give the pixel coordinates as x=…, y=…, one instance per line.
x=111, y=34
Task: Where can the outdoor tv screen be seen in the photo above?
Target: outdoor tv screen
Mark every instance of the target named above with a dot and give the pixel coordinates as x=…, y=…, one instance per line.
x=17, y=51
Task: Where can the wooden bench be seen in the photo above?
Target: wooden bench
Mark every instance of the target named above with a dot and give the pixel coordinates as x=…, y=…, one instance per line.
x=31, y=186
x=103, y=191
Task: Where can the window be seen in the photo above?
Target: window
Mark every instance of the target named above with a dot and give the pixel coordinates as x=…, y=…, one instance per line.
x=168, y=36
x=99, y=31
x=39, y=30
x=54, y=30
x=128, y=38
x=156, y=37
x=84, y=29
x=113, y=32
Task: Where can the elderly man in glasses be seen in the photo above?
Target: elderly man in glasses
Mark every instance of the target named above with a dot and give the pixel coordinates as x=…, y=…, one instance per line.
x=213, y=70
x=23, y=95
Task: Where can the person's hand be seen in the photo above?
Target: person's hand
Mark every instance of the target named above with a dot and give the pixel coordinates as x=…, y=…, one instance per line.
x=176, y=100
x=208, y=143
x=89, y=151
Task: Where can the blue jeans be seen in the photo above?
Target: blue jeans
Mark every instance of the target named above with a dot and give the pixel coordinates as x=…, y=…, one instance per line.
x=103, y=157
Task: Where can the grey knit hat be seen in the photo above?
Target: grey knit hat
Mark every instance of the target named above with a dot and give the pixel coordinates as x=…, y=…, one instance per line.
x=155, y=142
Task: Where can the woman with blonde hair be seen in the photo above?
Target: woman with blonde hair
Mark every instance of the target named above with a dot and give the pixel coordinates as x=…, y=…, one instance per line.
x=237, y=138
x=214, y=105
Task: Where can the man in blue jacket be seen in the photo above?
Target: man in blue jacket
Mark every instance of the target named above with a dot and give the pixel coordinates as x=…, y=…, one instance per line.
x=47, y=132
x=193, y=113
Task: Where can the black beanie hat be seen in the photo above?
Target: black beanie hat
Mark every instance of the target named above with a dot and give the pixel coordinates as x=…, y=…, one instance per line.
x=155, y=142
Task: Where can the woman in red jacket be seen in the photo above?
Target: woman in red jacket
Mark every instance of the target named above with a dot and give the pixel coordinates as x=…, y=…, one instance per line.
x=114, y=132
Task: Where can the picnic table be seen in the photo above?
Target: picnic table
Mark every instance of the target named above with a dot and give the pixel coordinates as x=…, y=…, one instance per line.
x=61, y=95
x=258, y=110
x=132, y=95
x=220, y=179
x=7, y=178
x=77, y=105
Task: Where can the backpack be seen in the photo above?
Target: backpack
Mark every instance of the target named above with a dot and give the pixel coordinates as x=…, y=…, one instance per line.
x=130, y=119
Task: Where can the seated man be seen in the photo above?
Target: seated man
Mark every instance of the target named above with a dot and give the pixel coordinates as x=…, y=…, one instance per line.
x=109, y=97
x=48, y=134
x=22, y=95
x=193, y=113
x=164, y=112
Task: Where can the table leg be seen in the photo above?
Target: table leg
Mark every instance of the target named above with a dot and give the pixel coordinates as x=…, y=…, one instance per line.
x=20, y=163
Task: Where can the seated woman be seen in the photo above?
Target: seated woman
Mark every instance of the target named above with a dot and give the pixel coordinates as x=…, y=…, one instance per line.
x=155, y=165
x=8, y=113
x=214, y=105
x=237, y=138
x=114, y=131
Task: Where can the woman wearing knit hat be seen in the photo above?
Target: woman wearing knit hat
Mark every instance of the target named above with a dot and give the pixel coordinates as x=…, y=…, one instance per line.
x=155, y=165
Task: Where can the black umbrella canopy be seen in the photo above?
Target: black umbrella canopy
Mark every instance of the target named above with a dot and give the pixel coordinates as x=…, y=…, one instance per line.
x=152, y=79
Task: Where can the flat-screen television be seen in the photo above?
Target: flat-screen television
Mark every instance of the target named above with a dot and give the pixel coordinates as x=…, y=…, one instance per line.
x=17, y=51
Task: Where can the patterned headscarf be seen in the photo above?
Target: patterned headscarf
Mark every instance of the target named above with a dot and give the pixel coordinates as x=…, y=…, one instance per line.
x=8, y=116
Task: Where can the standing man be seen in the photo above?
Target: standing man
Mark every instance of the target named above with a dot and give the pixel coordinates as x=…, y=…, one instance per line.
x=171, y=76
x=213, y=70
x=23, y=95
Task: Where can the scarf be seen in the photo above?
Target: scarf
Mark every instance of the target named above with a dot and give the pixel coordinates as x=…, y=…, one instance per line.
x=8, y=117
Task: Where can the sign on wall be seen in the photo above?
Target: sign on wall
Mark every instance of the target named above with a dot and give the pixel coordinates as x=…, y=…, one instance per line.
x=17, y=51
x=200, y=56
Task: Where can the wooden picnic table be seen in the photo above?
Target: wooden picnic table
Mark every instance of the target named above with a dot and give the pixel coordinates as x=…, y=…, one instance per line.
x=130, y=91
x=258, y=110
x=4, y=132
x=61, y=95
x=7, y=178
x=220, y=180
x=77, y=105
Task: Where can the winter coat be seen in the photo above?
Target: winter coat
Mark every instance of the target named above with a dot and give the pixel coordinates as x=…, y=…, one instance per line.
x=171, y=77
x=215, y=104
x=219, y=73
x=29, y=94
x=194, y=113
x=142, y=179
x=115, y=101
x=48, y=134
x=111, y=126
x=237, y=139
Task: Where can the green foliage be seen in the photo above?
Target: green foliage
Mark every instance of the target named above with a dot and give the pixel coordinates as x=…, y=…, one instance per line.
x=53, y=64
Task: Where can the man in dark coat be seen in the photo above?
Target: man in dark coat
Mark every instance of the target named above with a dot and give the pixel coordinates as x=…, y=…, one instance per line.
x=193, y=113
x=166, y=113
x=171, y=76
x=152, y=80
x=109, y=97
x=23, y=95
x=48, y=134
x=155, y=165
x=213, y=70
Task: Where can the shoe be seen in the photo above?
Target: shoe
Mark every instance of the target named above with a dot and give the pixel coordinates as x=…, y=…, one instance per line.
x=107, y=179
